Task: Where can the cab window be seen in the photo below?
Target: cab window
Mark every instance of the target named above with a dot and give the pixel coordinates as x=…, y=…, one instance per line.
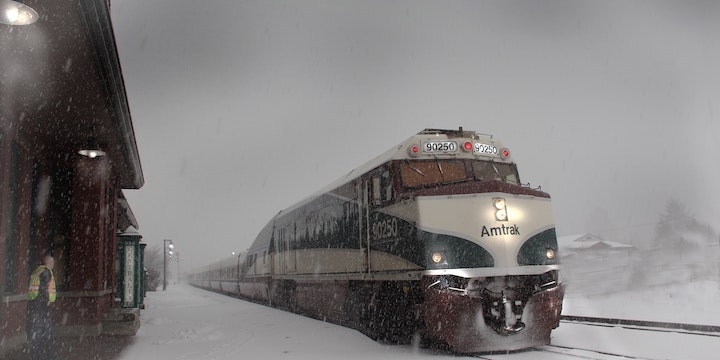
x=489, y=170
x=421, y=173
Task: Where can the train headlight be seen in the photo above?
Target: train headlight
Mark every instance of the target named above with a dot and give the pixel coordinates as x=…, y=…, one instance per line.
x=500, y=209
x=437, y=258
x=550, y=254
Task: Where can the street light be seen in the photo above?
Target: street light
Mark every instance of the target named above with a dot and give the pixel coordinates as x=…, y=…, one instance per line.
x=167, y=250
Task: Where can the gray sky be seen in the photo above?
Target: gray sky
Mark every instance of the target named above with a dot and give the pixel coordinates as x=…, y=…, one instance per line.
x=242, y=108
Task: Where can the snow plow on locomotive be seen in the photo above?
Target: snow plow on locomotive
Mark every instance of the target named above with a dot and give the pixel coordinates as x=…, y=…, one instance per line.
x=437, y=237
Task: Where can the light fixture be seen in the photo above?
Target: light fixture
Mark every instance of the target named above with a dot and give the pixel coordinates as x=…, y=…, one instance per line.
x=501, y=209
x=550, y=253
x=91, y=149
x=15, y=13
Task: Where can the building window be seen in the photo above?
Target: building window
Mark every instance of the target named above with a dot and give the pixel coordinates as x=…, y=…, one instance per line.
x=39, y=202
x=58, y=242
x=11, y=240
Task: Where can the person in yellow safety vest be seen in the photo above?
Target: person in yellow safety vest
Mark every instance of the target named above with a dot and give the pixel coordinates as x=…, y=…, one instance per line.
x=42, y=294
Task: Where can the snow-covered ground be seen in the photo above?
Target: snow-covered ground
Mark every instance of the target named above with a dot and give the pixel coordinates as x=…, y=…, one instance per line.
x=188, y=323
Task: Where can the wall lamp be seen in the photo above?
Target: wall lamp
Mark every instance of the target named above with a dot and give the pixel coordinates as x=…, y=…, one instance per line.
x=16, y=13
x=91, y=149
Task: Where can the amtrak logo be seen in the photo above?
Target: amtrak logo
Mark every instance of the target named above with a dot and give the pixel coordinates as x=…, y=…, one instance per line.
x=500, y=230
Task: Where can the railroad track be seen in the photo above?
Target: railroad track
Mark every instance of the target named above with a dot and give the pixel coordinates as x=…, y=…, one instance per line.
x=574, y=353
x=704, y=330
x=553, y=352
x=583, y=337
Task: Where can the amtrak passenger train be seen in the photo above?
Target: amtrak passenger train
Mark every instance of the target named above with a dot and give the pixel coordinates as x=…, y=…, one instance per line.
x=436, y=239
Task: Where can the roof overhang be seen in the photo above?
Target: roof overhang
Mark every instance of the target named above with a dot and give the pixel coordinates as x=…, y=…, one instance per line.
x=125, y=216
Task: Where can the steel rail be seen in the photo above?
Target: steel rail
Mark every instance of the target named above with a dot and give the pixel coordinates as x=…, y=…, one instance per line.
x=708, y=330
x=585, y=353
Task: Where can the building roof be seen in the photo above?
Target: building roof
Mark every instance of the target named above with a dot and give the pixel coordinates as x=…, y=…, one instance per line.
x=588, y=241
x=125, y=219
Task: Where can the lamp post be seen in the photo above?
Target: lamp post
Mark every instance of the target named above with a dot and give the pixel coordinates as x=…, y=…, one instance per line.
x=177, y=261
x=167, y=250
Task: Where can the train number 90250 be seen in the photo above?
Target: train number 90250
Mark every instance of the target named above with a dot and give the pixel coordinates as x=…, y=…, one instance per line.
x=384, y=229
x=485, y=149
x=440, y=146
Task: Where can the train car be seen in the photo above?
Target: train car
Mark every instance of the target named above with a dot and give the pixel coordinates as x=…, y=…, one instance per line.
x=436, y=237
x=221, y=276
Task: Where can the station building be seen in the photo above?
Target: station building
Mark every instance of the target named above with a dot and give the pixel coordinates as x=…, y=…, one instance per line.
x=592, y=265
x=67, y=151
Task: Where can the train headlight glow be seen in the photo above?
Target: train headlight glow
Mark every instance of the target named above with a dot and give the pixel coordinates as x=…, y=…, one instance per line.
x=437, y=257
x=500, y=209
x=550, y=254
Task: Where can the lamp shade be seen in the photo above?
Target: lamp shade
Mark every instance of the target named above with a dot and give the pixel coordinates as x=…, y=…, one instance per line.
x=15, y=13
x=91, y=149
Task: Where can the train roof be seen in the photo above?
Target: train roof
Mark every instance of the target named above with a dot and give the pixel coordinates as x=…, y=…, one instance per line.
x=403, y=151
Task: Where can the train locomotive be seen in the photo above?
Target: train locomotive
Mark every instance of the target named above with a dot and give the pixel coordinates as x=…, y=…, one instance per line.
x=435, y=239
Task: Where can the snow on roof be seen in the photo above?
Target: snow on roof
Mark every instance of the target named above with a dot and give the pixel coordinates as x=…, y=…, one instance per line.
x=588, y=241
x=598, y=244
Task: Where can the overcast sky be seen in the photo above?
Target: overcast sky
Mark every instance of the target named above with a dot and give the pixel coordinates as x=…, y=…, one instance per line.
x=241, y=108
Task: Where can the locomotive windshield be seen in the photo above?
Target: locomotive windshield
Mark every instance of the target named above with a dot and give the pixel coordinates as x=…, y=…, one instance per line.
x=489, y=170
x=432, y=172
x=423, y=173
